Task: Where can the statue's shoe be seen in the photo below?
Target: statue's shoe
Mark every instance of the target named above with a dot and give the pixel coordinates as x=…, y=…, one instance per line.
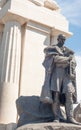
x=56, y=121
x=73, y=121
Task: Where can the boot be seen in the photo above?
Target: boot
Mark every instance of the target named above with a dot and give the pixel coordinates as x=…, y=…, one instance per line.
x=73, y=121
x=69, y=109
x=56, y=107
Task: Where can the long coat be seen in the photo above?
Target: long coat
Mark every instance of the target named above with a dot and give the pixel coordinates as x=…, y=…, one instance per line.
x=46, y=93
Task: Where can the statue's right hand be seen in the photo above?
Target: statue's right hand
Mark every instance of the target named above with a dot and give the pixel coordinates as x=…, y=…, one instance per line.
x=70, y=57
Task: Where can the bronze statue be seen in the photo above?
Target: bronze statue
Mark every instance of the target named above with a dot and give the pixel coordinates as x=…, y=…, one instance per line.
x=60, y=79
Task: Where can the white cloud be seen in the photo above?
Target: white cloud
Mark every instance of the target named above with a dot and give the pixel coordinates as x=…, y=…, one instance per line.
x=78, y=76
x=72, y=10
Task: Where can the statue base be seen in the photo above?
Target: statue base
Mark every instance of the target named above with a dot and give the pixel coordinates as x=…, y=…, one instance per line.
x=10, y=126
x=50, y=126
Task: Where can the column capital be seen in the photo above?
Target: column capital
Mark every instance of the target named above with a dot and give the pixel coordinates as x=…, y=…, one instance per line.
x=12, y=18
x=8, y=14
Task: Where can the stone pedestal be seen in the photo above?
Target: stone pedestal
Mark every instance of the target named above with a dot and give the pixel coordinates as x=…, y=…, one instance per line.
x=50, y=126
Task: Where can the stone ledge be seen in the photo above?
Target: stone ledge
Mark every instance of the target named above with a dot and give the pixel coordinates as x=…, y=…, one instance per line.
x=50, y=126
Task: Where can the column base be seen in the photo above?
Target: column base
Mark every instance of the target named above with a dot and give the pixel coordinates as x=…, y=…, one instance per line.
x=8, y=96
x=11, y=126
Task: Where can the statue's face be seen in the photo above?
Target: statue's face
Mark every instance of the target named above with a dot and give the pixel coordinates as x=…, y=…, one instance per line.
x=61, y=42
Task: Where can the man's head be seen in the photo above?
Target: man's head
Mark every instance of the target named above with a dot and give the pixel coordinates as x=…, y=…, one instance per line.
x=61, y=39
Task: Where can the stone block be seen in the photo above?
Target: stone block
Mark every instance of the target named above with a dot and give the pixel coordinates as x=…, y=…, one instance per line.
x=50, y=126
x=11, y=126
x=51, y=5
x=77, y=112
x=2, y=127
x=31, y=110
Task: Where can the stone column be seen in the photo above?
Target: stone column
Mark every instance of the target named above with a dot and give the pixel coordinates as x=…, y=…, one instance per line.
x=10, y=69
x=1, y=33
x=2, y=3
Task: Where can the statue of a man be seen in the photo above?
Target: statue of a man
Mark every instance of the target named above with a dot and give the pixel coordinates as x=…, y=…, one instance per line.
x=60, y=79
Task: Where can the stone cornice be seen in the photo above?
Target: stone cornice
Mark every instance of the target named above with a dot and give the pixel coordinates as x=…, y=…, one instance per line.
x=23, y=12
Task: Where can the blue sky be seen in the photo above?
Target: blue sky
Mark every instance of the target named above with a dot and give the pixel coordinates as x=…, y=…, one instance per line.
x=71, y=9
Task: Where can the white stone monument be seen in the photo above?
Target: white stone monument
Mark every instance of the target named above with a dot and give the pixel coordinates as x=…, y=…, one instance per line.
x=26, y=28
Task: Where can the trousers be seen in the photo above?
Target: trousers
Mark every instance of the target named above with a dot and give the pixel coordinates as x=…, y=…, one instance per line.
x=68, y=106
